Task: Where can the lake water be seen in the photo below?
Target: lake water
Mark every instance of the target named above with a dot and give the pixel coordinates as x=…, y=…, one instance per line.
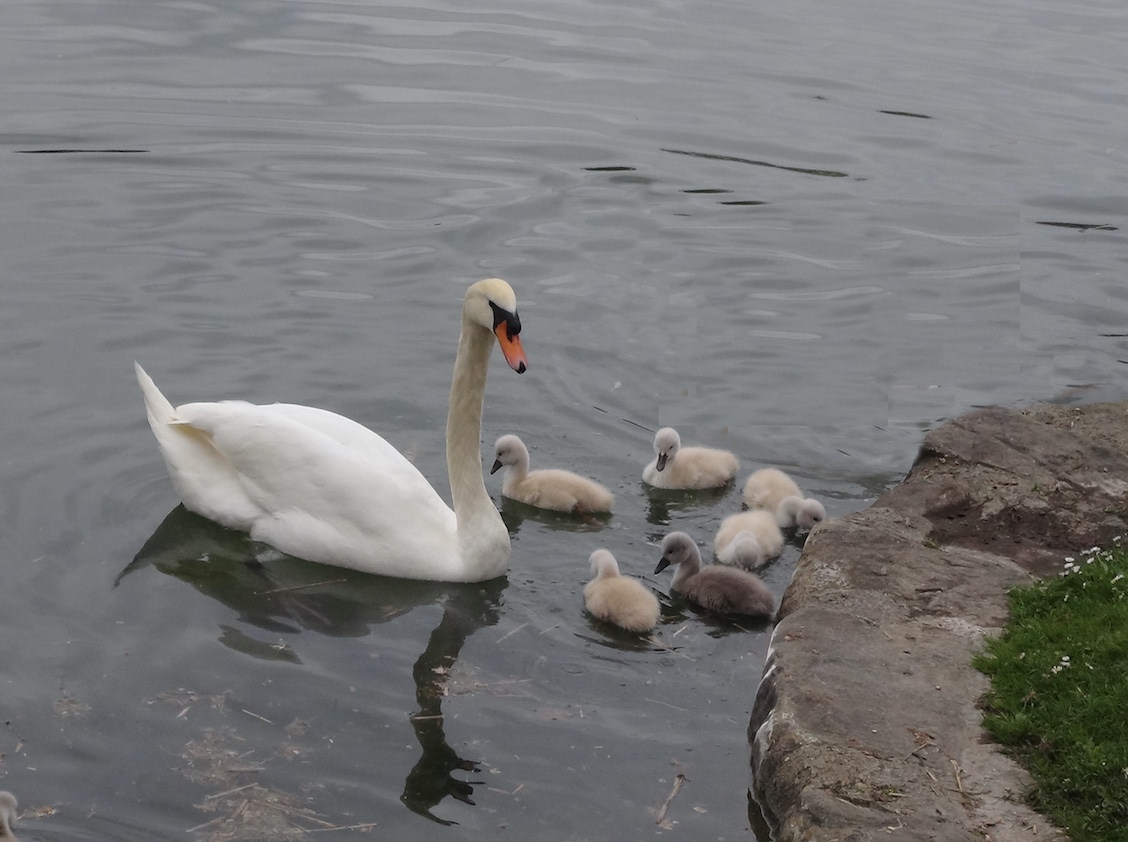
x=806, y=233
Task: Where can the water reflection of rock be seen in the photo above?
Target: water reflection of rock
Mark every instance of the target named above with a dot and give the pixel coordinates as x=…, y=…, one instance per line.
x=278, y=593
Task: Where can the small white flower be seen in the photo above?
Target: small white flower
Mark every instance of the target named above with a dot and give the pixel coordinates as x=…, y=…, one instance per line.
x=1116, y=578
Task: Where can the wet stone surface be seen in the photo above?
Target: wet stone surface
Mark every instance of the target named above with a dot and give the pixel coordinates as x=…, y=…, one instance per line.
x=866, y=723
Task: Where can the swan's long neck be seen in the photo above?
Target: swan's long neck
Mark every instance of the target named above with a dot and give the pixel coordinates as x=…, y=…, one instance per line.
x=519, y=470
x=687, y=570
x=483, y=538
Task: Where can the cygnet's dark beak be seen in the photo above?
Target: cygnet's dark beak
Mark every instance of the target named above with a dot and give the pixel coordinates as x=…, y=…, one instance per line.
x=662, y=565
x=496, y=466
x=661, y=463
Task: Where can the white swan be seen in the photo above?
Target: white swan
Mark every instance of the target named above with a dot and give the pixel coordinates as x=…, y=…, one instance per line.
x=726, y=590
x=549, y=488
x=772, y=489
x=675, y=466
x=7, y=815
x=748, y=539
x=619, y=599
x=321, y=487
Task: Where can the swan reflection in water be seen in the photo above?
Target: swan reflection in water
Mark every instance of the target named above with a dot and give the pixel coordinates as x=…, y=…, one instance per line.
x=286, y=595
x=515, y=513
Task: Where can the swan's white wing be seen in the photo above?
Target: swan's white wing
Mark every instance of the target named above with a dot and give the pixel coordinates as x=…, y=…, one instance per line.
x=352, y=435
x=318, y=498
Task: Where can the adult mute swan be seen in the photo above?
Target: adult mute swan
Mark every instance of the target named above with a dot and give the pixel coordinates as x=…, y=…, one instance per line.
x=680, y=467
x=321, y=487
x=548, y=488
x=726, y=590
x=619, y=599
x=775, y=491
x=7, y=815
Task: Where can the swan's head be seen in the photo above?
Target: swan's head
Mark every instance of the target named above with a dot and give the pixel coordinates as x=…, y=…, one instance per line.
x=492, y=304
x=804, y=513
x=603, y=563
x=666, y=445
x=811, y=511
x=508, y=450
x=747, y=548
x=677, y=548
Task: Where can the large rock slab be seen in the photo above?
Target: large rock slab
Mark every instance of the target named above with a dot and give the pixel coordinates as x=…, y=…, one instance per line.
x=866, y=723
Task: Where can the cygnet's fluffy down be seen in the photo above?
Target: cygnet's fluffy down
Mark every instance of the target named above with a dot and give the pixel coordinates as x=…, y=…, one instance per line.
x=803, y=512
x=726, y=590
x=675, y=466
x=619, y=599
x=748, y=539
x=561, y=491
x=775, y=491
x=7, y=815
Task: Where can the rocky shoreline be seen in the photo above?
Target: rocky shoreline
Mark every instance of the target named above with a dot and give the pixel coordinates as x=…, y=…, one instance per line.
x=865, y=724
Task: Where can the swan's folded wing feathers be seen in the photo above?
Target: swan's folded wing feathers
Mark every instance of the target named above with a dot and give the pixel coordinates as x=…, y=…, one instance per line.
x=344, y=430
x=311, y=490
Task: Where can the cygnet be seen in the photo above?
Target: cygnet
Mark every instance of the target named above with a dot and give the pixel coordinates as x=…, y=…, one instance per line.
x=619, y=599
x=675, y=466
x=748, y=539
x=775, y=491
x=726, y=590
x=7, y=815
x=558, y=490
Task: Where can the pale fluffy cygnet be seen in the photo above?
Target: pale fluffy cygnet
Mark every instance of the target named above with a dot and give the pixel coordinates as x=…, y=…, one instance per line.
x=803, y=512
x=675, y=466
x=550, y=488
x=748, y=539
x=772, y=489
x=726, y=590
x=619, y=599
x=7, y=815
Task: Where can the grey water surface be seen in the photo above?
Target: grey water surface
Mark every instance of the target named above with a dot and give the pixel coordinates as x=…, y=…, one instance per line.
x=805, y=232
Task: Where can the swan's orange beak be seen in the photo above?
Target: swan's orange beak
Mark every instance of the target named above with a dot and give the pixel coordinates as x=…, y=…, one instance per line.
x=511, y=347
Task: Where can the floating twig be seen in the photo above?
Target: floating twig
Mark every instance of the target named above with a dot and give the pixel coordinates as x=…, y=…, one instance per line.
x=666, y=704
x=228, y=792
x=300, y=587
x=511, y=632
x=678, y=781
x=365, y=826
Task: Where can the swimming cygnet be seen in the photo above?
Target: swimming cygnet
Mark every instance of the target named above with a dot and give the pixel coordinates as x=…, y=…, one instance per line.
x=561, y=491
x=726, y=590
x=7, y=815
x=748, y=539
x=619, y=599
x=675, y=466
x=772, y=489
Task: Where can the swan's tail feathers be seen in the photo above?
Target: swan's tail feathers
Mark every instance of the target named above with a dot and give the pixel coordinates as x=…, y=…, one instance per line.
x=157, y=407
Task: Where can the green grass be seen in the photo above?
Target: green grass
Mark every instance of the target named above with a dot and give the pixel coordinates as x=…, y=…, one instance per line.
x=1059, y=693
